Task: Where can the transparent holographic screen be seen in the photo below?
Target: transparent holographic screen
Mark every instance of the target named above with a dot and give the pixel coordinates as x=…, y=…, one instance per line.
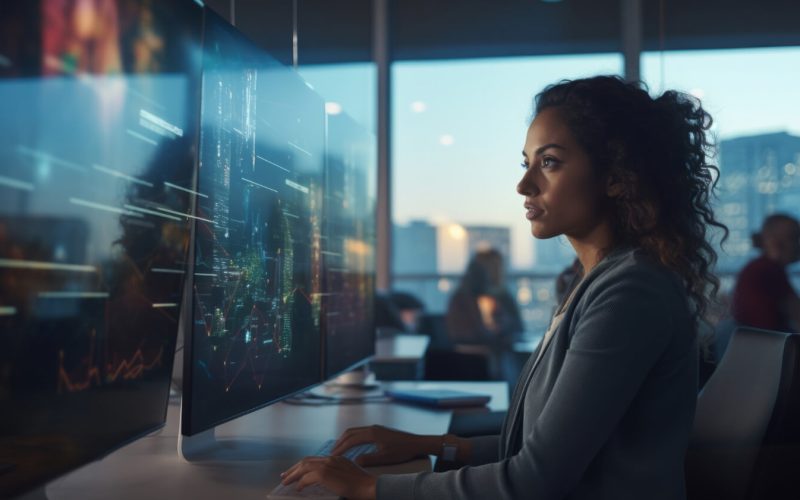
x=258, y=276
x=96, y=162
x=349, y=256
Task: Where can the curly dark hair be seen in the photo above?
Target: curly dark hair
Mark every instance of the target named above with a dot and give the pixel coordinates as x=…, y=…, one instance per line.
x=657, y=151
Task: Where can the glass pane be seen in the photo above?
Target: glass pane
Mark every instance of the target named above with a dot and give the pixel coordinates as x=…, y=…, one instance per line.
x=349, y=88
x=752, y=96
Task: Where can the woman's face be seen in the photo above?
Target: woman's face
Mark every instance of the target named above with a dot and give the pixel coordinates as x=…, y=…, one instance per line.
x=562, y=193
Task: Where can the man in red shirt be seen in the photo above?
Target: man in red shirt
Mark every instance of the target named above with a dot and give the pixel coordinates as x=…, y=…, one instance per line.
x=763, y=297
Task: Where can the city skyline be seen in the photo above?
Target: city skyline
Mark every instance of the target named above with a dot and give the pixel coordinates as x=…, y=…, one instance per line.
x=760, y=174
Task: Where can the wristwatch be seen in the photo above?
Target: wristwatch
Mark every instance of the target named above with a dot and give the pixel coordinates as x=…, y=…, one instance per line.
x=449, y=448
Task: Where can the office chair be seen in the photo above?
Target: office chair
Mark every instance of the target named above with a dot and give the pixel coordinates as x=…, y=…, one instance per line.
x=442, y=361
x=745, y=442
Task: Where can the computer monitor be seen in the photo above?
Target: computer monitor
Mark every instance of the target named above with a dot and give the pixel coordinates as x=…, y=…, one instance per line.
x=348, y=254
x=255, y=333
x=97, y=133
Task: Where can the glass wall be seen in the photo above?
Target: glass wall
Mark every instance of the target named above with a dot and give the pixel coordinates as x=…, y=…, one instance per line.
x=350, y=88
x=752, y=96
x=458, y=128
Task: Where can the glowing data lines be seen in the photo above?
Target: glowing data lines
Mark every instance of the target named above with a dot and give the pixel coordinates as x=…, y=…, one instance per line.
x=180, y=214
x=254, y=183
x=186, y=190
x=103, y=207
x=77, y=383
x=50, y=159
x=45, y=266
x=151, y=212
x=135, y=367
x=16, y=184
x=91, y=372
x=158, y=125
x=121, y=175
x=298, y=148
x=297, y=186
x=272, y=163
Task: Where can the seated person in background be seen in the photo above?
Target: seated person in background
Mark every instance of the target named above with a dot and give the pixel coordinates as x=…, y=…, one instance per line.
x=410, y=308
x=481, y=311
x=397, y=312
x=604, y=408
x=763, y=297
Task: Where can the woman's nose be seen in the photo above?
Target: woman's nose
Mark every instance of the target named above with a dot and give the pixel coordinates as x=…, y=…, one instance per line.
x=526, y=185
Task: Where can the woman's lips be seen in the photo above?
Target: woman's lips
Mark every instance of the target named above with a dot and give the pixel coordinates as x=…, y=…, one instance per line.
x=532, y=212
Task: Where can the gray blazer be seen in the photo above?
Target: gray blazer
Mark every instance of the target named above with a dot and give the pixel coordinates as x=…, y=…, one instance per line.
x=607, y=410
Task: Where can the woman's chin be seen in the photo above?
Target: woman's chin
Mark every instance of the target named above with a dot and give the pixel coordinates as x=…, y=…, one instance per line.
x=541, y=232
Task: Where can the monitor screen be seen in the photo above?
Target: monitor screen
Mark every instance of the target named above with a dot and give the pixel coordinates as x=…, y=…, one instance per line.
x=99, y=107
x=257, y=268
x=348, y=244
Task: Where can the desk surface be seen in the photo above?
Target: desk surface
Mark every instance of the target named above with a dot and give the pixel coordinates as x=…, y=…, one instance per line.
x=150, y=468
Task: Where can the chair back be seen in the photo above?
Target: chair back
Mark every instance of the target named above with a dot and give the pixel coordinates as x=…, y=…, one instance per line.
x=745, y=441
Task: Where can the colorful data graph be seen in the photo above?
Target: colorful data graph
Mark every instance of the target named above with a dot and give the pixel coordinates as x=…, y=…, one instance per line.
x=93, y=374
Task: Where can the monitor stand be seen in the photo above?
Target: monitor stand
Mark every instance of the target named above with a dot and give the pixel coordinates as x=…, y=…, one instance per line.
x=206, y=446
x=360, y=378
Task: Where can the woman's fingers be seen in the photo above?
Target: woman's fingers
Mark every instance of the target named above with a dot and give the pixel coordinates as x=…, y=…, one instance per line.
x=310, y=478
x=352, y=437
x=302, y=467
x=337, y=474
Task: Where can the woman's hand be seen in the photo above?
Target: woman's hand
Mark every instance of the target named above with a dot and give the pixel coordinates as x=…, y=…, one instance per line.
x=337, y=474
x=393, y=447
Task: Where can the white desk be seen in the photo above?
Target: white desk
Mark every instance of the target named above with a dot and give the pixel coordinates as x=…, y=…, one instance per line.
x=151, y=469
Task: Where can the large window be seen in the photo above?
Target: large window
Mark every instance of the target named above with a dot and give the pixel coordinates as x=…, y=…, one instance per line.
x=350, y=88
x=752, y=96
x=457, y=134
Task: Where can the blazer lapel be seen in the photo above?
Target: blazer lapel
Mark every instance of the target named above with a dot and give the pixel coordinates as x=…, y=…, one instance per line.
x=513, y=422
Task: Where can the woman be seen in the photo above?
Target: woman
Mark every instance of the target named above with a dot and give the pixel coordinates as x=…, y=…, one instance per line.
x=604, y=408
x=763, y=297
x=481, y=311
x=482, y=316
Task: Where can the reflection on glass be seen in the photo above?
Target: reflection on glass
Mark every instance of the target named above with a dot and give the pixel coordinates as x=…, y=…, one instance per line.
x=348, y=244
x=95, y=192
x=350, y=88
x=257, y=274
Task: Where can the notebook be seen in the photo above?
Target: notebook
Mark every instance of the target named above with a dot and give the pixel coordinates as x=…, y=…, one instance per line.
x=439, y=398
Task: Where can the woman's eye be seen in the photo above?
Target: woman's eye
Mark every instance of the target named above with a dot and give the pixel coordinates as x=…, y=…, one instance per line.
x=524, y=165
x=548, y=162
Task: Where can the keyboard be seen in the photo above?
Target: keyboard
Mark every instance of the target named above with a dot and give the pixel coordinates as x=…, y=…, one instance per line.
x=316, y=491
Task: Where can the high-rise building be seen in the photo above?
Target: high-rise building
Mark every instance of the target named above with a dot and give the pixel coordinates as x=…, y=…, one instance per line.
x=414, y=248
x=486, y=237
x=759, y=175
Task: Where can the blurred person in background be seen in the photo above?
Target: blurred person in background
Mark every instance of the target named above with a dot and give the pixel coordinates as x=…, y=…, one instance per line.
x=763, y=297
x=483, y=314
